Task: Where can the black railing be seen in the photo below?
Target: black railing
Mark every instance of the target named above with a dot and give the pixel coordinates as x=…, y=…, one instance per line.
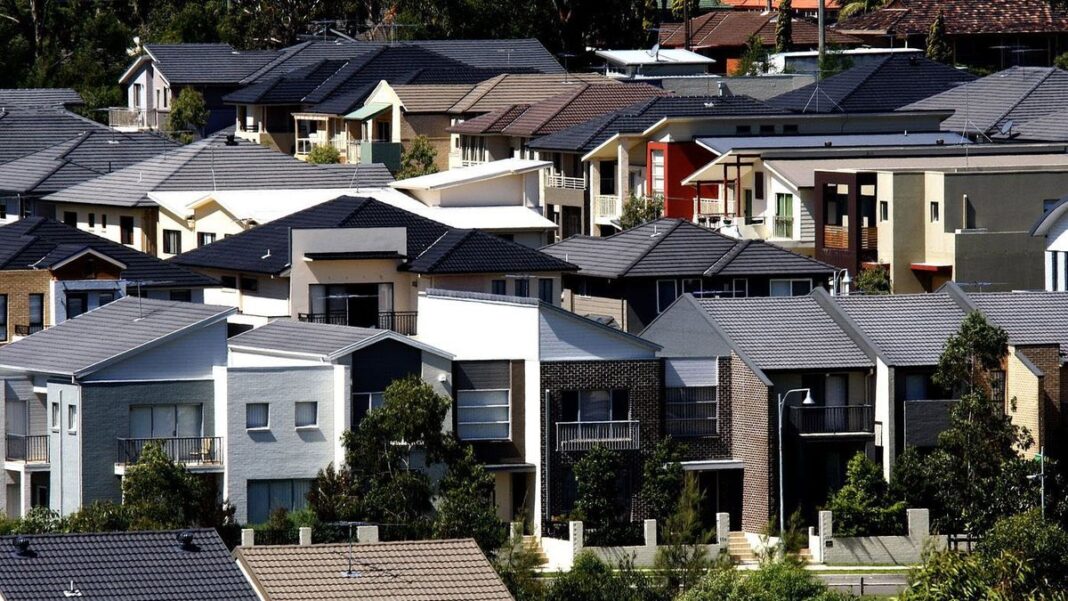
x=838, y=419
x=196, y=450
x=31, y=449
x=402, y=322
x=27, y=330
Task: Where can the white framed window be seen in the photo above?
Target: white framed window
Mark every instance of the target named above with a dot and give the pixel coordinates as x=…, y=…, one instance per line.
x=363, y=402
x=257, y=416
x=306, y=414
x=790, y=287
x=691, y=411
x=657, y=173
x=72, y=418
x=55, y=417
x=483, y=414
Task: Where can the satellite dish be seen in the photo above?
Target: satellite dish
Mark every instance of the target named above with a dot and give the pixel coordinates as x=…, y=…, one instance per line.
x=655, y=51
x=1006, y=128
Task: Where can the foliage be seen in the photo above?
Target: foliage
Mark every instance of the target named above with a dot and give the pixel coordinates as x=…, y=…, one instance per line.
x=662, y=480
x=754, y=61
x=517, y=566
x=418, y=159
x=1042, y=545
x=679, y=8
x=681, y=557
x=40, y=520
x=795, y=537
x=590, y=579
x=466, y=508
x=333, y=496
x=188, y=115
x=873, y=280
x=774, y=581
x=937, y=45
x=833, y=62
x=595, y=473
x=784, y=27
x=160, y=494
x=639, y=209
x=324, y=154
x=1061, y=61
x=863, y=507
x=99, y=516
x=856, y=7
x=970, y=355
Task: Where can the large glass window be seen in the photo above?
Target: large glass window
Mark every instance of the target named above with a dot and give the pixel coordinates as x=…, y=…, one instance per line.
x=666, y=293
x=265, y=496
x=690, y=412
x=36, y=311
x=797, y=287
x=595, y=405
x=483, y=414
x=608, y=177
x=306, y=414
x=362, y=402
x=166, y=421
x=545, y=290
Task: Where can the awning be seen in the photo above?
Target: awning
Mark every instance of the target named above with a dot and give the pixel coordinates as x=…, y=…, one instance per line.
x=711, y=465
x=932, y=267
x=368, y=111
x=509, y=467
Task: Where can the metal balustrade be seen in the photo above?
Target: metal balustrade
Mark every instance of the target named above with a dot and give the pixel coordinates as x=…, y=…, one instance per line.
x=838, y=419
x=690, y=419
x=188, y=450
x=31, y=449
x=402, y=322
x=618, y=435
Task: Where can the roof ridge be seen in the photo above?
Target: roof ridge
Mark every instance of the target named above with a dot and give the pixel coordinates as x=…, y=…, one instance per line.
x=656, y=242
x=728, y=257
x=466, y=105
x=1020, y=100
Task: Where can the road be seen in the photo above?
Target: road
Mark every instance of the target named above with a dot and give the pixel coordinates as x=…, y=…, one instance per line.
x=874, y=583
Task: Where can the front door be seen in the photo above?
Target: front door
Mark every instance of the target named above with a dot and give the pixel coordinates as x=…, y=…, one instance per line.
x=835, y=399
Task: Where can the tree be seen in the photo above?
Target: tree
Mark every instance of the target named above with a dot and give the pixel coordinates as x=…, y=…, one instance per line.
x=1061, y=62
x=662, y=480
x=418, y=159
x=873, y=280
x=858, y=7
x=937, y=46
x=466, y=509
x=782, y=581
x=596, y=476
x=679, y=8
x=784, y=27
x=833, y=62
x=161, y=494
x=188, y=115
x=591, y=579
x=638, y=210
x=971, y=355
x=863, y=507
x=754, y=60
x=333, y=496
x=324, y=154
x=682, y=557
x=99, y=516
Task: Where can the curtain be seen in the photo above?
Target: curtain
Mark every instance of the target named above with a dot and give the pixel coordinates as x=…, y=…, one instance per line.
x=189, y=421
x=307, y=414
x=257, y=415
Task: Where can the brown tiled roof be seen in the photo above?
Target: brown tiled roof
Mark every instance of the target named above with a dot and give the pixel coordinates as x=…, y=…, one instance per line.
x=509, y=89
x=429, y=570
x=914, y=17
x=724, y=29
x=806, y=5
x=565, y=110
x=431, y=98
x=492, y=122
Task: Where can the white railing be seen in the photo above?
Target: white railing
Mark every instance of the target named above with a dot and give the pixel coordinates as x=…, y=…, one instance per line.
x=582, y=436
x=555, y=180
x=127, y=118
x=607, y=206
x=709, y=206
x=471, y=162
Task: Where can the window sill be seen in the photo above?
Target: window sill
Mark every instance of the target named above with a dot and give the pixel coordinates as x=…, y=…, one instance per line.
x=306, y=428
x=266, y=429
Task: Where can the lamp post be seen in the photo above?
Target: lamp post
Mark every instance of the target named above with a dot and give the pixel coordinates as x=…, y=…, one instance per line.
x=807, y=402
x=840, y=282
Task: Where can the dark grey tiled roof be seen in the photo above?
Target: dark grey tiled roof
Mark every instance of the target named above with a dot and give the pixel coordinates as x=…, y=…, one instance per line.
x=36, y=243
x=785, y=333
x=29, y=97
x=878, y=86
x=473, y=251
x=907, y=329
x=211, y=164
x=122, y=566
x=83, y=344
x=207, y=63
x=24, y=131
x=288, y=336
x=1027, y=317
x=674, y=247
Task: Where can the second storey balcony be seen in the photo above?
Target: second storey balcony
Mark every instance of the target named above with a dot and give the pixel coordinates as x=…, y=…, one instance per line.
x=564, y=190
x=837, y=237
x=401, y=322
x=607, y=208
x=835, y=420
x=30, y=451
x=196, y=453
x=618, y=435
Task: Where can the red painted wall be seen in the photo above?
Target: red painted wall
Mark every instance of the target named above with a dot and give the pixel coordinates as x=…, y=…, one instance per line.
x=680, y=160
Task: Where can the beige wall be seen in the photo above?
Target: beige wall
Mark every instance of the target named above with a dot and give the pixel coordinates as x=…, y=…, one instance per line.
x=208, y=218
x=142, y=217
x=1023, y=402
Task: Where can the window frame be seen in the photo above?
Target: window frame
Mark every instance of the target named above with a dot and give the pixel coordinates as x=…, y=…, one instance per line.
x=660, y=309
x=55, y=425
x=507, y=406
x=3, y=317
x=546, y=293
x=314, y=425
x=522, y=288
x=172, y=242
x=202, y=238
x=791, y=282
x=499, y=283
x=126, y=229
x=41, y=304
x=714, y=402
x=72, y=418
x=264, y=428
x=935, y=212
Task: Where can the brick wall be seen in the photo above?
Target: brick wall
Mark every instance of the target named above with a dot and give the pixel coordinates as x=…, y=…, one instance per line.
x=714, y=447
x=1023, y=398
x=1047, y=358
x=18, y=285
x=751, y=442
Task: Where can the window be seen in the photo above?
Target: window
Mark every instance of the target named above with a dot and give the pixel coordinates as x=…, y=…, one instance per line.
x=790, y=287
x=126, y=229
x=693, y=286
x=3, y=317
x=103, y=222
x=166, y=97
x=77, y=303
x=997, y=385
x=784, y=215
x=363, y=402
x=658, y=172
x=105, y=298
x=758, y=183
x=55, y=417
x=205, y=238
x=608, y=176
x=159, y=98
x=172, y=242
x=884, y=210
x=934, y=212
x=184, y=296
x=499, y=287
x=37, y=310
x=72, y=418
x=691, y=412
x=483, y=414
x=249, y=284
x=522, y=288
x=138, y=92
x=595, y=405
x=743, y=130
x=265, y=496
x=166, y=421
x=767, y=130
x=257, y=416
x=545, y=290
x=228, y=281
x=306, y=414
x=70, y=218
x=789, y=128
x=92, y=220
x=666, y=293
x=740, y=287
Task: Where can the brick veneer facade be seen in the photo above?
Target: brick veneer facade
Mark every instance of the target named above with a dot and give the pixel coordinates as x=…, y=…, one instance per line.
x=719, y=446
x=751, y=442
x=18, y=285
x=1047, y=358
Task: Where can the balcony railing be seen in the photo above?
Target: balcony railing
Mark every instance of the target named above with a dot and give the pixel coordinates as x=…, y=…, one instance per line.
x=784, y=227
x=837, y=236
x=689, y=419
x=555, y=180
x=869, y=238
x=607, y=206
x=190, y=450
x=27, y=330
x=136, y=118
x=839, y=419
x=31, y=449
x=583, y=436
x=471, y=162
x=402, y=322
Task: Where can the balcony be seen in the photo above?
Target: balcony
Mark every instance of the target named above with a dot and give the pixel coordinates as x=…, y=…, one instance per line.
x=690, y=420
x=27, y=330
x=583, y=436
x=27, y=449
x=556, y=180
x=203, y=452
x=607, y=207
x=841, y=420
x=402, y=322
x=127, y=119
x=837, y=236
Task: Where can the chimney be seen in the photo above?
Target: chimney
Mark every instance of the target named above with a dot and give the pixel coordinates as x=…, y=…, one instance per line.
x=305, y=536
x=248, y=537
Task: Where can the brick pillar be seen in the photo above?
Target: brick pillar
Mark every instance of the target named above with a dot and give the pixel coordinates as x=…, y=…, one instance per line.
x=649, y=529
x=575, y=534
x=919, y=523
x=248, y=537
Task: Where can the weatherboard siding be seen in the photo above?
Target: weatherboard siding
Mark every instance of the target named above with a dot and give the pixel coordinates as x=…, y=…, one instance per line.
x=190, y=356
x=565, y=338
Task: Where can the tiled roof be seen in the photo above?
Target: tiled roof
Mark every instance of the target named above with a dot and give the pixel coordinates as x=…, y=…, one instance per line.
x=212, y=164
x=430, y=570
x=206, y=63
x=1020, y=95
x=285, y=335
x=433, y=247
x=492, y=122
x=38, y=97
x=29, y=243
x=122, y=566
x=732, y=29
x=436, y=98
x=914, y=17
x=24, y=131
x=510, y=89
x=881, y=85
x=91, y=340
x=761, y=5
x=84, y=157
x=674, y=247
x=907, y=329
x=567, y=110
x=1027, y=317
x=781, y=333
x=288, y=88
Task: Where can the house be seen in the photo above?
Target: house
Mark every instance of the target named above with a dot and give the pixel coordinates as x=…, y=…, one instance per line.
x=121, y=206
x=633, y=276
x=807, y=61
x=630, y=64
x=361, y=262
x=1051, y=227
x=723, y=34
x=1017, y=104
x=167, y=565
x=430, y=570
x=134, y=371
x=51, y=272
x=994, y=35
x=291, y=389
x=804, y=8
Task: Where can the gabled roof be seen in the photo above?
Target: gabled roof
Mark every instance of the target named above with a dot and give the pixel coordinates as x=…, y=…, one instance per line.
x=906, y=329
x=317, y=340
x=122, y=566
x=438, y=570
x=732, y=29
x=1002, y=105
x=212, y=164
x=475, y=173
x=183, y=64
x=24, y=131
x=1028, y=317
x=881, y=85
x=432, y=247
x=39, y=97
x=963, y=17
x=509, y=89
x=94, y=340
x=674, y=247
x=431, y=98
x=39, y=243
x=84, y=157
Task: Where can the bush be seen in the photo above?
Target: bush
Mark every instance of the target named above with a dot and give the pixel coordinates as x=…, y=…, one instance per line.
x=774, y=581
x=1041, y=545
x=324, y=154
x=873, y=280
x=863, y=507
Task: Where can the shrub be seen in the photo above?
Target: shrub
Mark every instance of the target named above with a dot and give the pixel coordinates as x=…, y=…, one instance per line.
x=1042, y=545
x=324, y=154
x=862, y=507
x=774, y=581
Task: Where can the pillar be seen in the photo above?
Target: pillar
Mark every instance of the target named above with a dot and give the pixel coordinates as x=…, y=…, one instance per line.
x=248, y=537
x=649, y=529
x=723, y=528
x=305, y=536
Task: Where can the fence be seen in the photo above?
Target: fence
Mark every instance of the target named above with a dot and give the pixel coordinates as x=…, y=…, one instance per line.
x=873, y=550
x=326, y=533
x=561, y=552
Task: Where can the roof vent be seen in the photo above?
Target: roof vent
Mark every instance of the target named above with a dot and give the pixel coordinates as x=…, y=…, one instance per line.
x=828, y=144
x=230, y=141
x=940, y=142
x=72, y=592
x=913, y=60
x=710, y=105
x=22, y=545
x=185, y=540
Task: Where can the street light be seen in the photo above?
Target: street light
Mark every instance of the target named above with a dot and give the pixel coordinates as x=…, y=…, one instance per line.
x=807, y=402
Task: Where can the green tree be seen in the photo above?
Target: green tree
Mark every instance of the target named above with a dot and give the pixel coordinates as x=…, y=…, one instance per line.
x=859, y=7
x=466, y=508
x=591, y=579
x=333, y=495
x=188, y=115
x=662, y=480
x=1061, y=62
x=40, y=520
x=679, y=8
x=418, y=159
x=639, y=209
x=784, y=27
x=160, y=494
x=971, y=355
x=937, y=46
x=596, y=474
x=863, y=507
x=833, y=62
x=754, y=61
x=518, y=566
x=324, y=154
x=682, y=557
x=99, y=516
x=873, y=280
